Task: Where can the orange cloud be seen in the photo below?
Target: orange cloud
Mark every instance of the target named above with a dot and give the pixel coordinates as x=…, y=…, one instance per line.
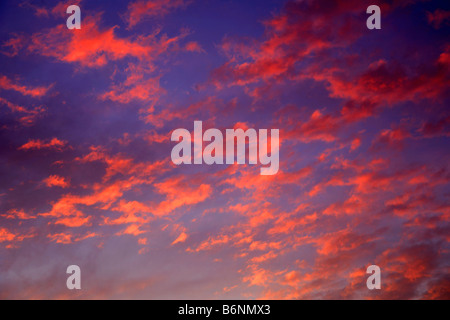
x=68, y=209
x=136, y=215
x=292, y=278
x=75, y=220
x=258, y=277
x=56, y=181
x=18, y=214
x=211, y=242
x=6, y=235
x=343, y=240
x=12, y=238
x=181, y=238
x=287, y=225
x=265, y=257
x=142, y=241
x=180, y=192
x=132, y=229
x=60, y=238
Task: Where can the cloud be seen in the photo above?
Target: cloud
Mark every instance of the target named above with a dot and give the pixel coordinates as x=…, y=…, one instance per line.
x=28, y=117
x=121, y=175
x=258, y=277
x=181, y=238
x=6, y=235
x=39, y=11
x=438, y=17
x=437, y=128
x=181, y=191
x=135, y=216
x=14, y=45
x=408, y=267
x=90, y=46
x=11, y=239
x=60, y=238
x=38, y=144
x=301, y=30
x=18, y=214
x=193, y=46
x=94, y=47
x=56, y=181
x=8, y=84
x=342, y=240
x=287, y=224
x=392, y=138
x=140, y=9
x=140, y=90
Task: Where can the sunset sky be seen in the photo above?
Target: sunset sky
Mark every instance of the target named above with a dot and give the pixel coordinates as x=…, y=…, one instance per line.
x=86, y=118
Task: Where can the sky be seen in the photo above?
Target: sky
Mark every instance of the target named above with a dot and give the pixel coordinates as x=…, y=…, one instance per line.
x=87, y=179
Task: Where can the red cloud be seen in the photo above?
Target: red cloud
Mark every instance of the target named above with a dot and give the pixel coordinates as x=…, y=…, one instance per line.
x=438, y=290
x=296, y=47
x=290, y=37
x=343, y=240
x=372, y=208
x=141, y=9
x=7, y=84
x=93, y=47
x=28, y=116
x=15, y=44
x=438, y=18
x=193, y=46
x=88, y=46
x=435, y=129
x=408, y=267
x=392, y=138
x=38, y=144
x=388, y=82
x=318, y=127
x=141, y=90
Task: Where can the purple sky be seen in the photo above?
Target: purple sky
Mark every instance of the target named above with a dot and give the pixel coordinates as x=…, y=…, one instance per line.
x=86, y=118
